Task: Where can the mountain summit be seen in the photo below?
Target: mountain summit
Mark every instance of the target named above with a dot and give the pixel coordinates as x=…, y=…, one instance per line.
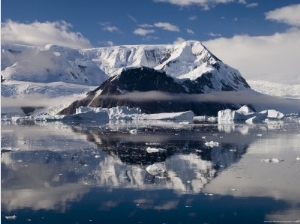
x=153, y=92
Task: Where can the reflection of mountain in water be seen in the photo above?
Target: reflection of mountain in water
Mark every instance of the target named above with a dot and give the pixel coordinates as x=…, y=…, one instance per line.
x=182, y=161
x=37, y=177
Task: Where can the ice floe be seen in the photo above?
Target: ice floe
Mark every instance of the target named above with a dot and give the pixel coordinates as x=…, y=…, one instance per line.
x=153, y=150
x=245, y=114
x=156, y=169
x=133, y=131
x=11, y=217
x=272, y=160
x=212, y=144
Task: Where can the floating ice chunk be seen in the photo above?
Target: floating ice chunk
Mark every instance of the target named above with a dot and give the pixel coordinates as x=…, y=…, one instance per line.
x=123, y=113
x=202, y=119
x=153, y=150
x=235, y=115
x=11, y=217
x=87, y=113
x=155, y=169
x=152, y=143
x=298, y=158
x=178, y=116
x=11, y=149
x=133, y=131
x=212, y=119
x=272, y=160
x=244, y=110
x=212, y=144
x=246, y=114
x=255, y=119
x=272, y=114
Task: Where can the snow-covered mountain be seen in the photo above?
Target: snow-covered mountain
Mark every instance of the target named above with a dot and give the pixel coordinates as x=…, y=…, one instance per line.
x=155, y=92
x=276, y=89
x=51, y=63
x=58, y=66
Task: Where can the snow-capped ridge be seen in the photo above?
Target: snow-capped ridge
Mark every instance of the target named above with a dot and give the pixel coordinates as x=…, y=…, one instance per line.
x=187, y=60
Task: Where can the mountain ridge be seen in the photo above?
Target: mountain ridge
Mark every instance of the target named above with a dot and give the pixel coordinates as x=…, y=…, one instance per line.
x=153, y=92
x=188, y=68
x=93, y=66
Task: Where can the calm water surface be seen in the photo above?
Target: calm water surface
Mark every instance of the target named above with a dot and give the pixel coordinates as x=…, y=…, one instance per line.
x=162, y=173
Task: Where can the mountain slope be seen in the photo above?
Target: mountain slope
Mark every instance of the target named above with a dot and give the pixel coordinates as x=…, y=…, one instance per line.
x=276, y=89
x=186, y=68
x=51, y=63
x=153, y=92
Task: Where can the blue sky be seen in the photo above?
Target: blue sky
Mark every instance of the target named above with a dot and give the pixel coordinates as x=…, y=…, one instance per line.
x=261, y=38
x=121, y=22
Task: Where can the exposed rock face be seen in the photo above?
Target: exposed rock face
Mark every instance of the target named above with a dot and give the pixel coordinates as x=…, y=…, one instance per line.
x=115, y=92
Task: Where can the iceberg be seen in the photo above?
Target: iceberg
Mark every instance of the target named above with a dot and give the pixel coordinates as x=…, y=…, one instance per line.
x=247, y=115
x=156, y=169
x=272, y=160
x=212, y=144
x=153, y=150
x=118, y=113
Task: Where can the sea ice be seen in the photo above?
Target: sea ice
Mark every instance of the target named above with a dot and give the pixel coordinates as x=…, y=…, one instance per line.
x=212, y=144
x=155, y=169
x=153, y=150
x=11, y=217
x=247, y=115
x=235, y=115
x=133, y=131
x=272, y=160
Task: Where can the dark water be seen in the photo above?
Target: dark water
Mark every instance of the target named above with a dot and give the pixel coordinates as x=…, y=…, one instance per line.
x=58, y=173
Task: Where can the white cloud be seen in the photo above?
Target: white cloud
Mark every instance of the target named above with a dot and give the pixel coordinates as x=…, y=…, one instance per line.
x=242, y=1
x=167, y=26
x=189, y=31
x=111, y=28
x=150, y=38
x=106, y=26
x=289, y=15
x=179, y=40
x=252, y=5
x=38, y=33
x=142, y=32
x=106, y=43
x=211, y=34
x=193, y=18
x=144, y=29
x=145, y=25
x=132, y=18
x=205, y=4
x=272, y=58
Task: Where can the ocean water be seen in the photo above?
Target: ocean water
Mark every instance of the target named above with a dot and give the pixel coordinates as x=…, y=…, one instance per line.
x=151, y=172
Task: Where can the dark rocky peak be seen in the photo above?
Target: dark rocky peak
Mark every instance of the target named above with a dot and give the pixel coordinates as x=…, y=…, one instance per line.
x=143, y=79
